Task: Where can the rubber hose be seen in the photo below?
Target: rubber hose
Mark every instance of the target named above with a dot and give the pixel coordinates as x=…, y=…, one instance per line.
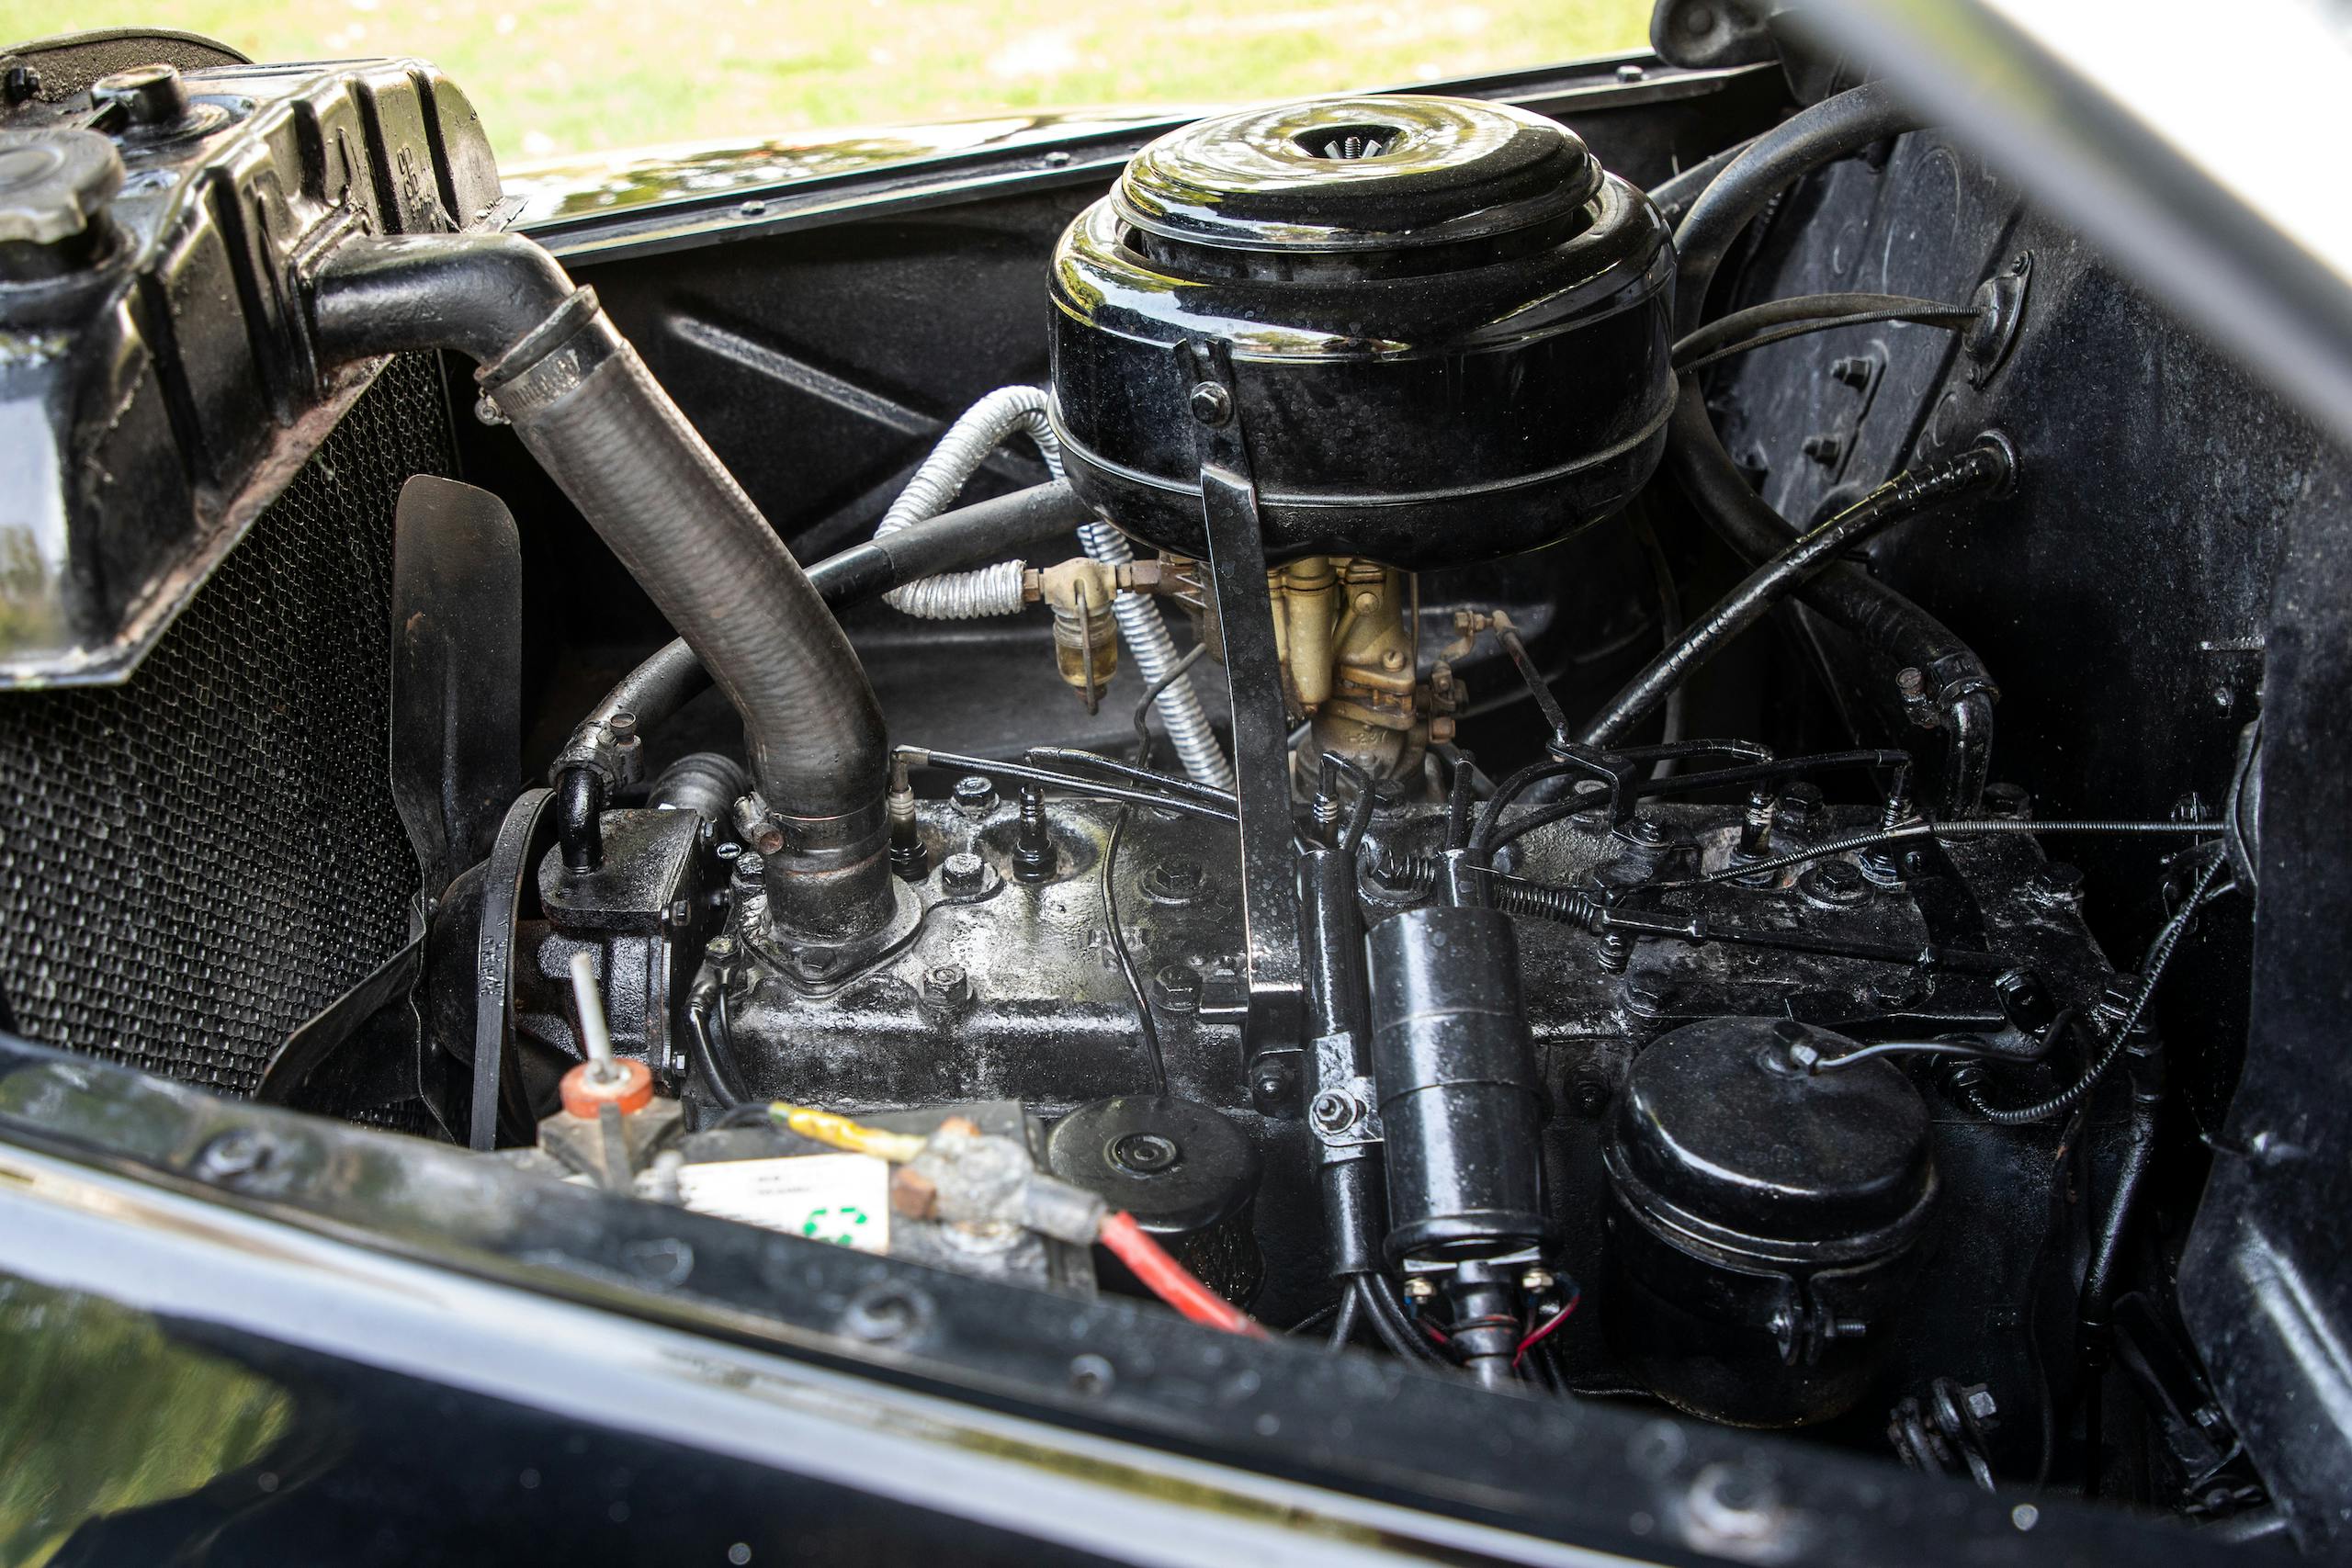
x=1881, y=619
x=588, y=409
x=1982, y=467
x=995, y=590
x=673, y=676
x=1833, y=129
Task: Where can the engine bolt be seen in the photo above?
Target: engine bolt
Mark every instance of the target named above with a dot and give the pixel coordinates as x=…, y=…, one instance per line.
x=1178, y=881
x=964, y=872
x=946, y=984
x=2008, y=800
x=1643, y=834
x=153, y=96
x=1334, y=1110
x=2058, y=885
x=1177, y=987
x=1033, y=849
x=1802, y=804
x=1838, y=884
x=1535, y=1281
x=1419, y=1288
x=975, y=796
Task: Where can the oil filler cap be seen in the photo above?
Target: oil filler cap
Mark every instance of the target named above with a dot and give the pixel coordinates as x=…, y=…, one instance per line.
x=1183, y=1169
x=1177, y=1165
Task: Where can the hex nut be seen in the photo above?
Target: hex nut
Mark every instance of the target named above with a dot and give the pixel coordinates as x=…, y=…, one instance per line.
x=1177, y=987
x=1210, y=403
x=964, y=872
x=946, y=984
x=2058, y=885
x=1179, y=880
x=1834, y=885
x=1334, y=1110
x=974, y=795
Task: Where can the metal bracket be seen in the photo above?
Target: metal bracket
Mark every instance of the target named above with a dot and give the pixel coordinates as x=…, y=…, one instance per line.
x=1346, y=1113
x=1260, y=732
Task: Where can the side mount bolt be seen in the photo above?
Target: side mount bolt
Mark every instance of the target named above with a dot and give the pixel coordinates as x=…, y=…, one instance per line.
x=1210, y=403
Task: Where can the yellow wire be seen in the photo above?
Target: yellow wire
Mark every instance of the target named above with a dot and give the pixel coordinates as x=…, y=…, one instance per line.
x=826, y=1127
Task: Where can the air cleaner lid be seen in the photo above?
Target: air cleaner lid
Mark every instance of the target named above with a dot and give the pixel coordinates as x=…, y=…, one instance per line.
x=1358, y=174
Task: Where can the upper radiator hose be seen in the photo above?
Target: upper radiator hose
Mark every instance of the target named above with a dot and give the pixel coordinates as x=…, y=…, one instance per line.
x=586, y=407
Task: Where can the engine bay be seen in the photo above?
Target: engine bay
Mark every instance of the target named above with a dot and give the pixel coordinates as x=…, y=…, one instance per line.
x=1609, y=749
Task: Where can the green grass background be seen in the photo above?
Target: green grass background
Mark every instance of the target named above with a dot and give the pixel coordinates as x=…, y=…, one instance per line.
x=560, y=76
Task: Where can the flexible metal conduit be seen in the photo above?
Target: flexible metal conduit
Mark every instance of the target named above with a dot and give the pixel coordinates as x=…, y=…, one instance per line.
x=996, y=590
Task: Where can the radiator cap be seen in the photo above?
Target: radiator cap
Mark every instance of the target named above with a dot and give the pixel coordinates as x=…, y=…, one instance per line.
x=55, y=185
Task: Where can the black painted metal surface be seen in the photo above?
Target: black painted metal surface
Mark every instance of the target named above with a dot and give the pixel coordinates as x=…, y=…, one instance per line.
x=1462, y=279
x=174, y=395
x=651, y=1336
x=456, y=671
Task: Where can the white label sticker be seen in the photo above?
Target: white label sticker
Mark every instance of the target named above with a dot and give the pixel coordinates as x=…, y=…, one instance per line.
x=843, y=1199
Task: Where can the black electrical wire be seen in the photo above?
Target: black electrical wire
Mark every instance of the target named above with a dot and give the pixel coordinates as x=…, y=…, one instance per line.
x=1388, y=1320
x=1318, y=1317
x=1983, y=467
x=1884, y=621
x=1119, y=950
x=1673, y=195
x=1167, y=678
x=1972, y=827
x=1480, y=842
x=922, y=757
x=2043, y=1044
x=1132, y=773
x=1676, y=784
x=1781, y=768
x=1833, y=129
x=1675, y=724
x=1776, y=321
x=712, y=1045
x=1457, y=801
x=2120, y=1037
x=1344, y=1329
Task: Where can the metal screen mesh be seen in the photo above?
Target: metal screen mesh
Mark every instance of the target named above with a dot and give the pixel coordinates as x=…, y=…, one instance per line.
x=195, y=863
